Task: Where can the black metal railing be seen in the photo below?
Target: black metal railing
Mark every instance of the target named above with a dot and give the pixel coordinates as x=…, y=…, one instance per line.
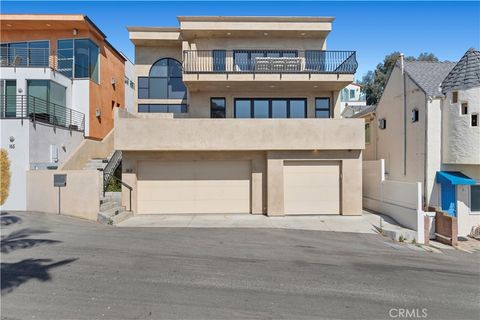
x=26, y=57
x=269, y=61
x=110, y=168
x=40, y=110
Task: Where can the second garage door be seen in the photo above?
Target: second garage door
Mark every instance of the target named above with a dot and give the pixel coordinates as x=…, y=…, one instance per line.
x=193, y=187
x=311, y=187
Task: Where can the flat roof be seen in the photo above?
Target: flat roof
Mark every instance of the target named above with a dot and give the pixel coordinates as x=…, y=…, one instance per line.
x=256, y=18
x=74, y=20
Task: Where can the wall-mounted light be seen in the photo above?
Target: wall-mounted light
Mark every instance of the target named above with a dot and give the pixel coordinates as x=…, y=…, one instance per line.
x=12, y=138
x=98, y=113
x=75, y=31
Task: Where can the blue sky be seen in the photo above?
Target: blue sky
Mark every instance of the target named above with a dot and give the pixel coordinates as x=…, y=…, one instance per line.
x=373, y=29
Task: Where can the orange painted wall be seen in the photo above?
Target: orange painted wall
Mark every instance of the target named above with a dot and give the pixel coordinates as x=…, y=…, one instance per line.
x=102, y=94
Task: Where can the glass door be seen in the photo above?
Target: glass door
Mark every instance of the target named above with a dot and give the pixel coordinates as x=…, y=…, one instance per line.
x=8, y=91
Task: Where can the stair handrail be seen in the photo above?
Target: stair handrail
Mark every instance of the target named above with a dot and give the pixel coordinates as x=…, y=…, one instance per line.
x=129, y=189
x=110, y=168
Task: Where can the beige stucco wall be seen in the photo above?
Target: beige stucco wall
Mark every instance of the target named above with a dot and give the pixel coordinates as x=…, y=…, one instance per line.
x=77, y=200
x=370, y=151
x=390, y=141
x=267, y=174
x=89, y=149
x=138, y=134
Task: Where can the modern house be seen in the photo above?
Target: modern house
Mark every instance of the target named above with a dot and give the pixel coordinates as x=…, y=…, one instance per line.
x=426, y=129
x=352, y=100
x=240, y=115
x=60, y=83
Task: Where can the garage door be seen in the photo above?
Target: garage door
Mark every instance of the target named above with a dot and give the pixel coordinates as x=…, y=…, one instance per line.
x=312, y=187
x=193, y=187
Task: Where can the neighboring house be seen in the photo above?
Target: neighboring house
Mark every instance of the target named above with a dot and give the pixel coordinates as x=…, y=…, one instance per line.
x=241, y=115
x=60, y=82
x=129, y=85
x=352, y=98
x=426, y=129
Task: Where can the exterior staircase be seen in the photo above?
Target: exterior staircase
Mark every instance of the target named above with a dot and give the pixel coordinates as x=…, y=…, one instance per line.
x=111, y=209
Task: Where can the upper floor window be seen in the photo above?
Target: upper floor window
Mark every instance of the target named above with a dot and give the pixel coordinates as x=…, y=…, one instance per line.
x=415, y=115
x=270, y=108
x=464, y=108
x=454, y=96
x=78, y=58
x=217, y=108
x=322, y=108
x=164, y=81
x=474, y=119
x=25, y=54
x=367, y=132
x=475, y=197
x=352, y=94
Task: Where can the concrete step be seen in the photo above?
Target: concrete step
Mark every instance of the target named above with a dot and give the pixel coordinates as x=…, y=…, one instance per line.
x=106, y=216
x=104, y=206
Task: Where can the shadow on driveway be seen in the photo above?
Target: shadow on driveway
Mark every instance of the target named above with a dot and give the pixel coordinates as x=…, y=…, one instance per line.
x=19, y=240
x=18, y=273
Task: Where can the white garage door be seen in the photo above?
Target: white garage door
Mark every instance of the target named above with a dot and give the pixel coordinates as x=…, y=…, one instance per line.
x=312, y=187
x=193, y=187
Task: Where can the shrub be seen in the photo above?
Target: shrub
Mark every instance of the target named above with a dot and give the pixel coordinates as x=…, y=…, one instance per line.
x=4, y=176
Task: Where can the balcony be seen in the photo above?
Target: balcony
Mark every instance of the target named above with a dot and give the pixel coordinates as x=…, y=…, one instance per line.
x=26, y=57
x=163, y=134
x=333, y=69
x=39, y=110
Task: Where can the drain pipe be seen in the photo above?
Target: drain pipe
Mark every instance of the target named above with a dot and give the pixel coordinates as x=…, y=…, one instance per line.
x=404, y=115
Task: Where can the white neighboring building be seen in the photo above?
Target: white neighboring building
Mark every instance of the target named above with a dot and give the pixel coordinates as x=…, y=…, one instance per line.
x=428, y=132
x=129, y=85
x=352, y=97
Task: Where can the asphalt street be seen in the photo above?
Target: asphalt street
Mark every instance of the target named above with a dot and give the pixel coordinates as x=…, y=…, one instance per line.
x=57, y=267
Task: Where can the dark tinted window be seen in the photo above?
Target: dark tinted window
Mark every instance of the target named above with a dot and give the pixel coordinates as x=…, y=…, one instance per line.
x=260, y=108
x=242, y=109
x=217, y=108
x=322, y=108
x=298, y=109
x=279, y=109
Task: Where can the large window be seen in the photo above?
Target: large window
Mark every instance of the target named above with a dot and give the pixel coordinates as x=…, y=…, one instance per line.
x=163, y=108
x=164, y=81
x=47, y=100
x=217, y=108
x=78, y=58
x=25, y=54
x=8, y=105
x=322, y=108
x=475, y=198
x=270, y=108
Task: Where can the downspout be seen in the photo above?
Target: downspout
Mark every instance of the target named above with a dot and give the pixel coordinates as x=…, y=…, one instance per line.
x=404, y=116
x=425, y=157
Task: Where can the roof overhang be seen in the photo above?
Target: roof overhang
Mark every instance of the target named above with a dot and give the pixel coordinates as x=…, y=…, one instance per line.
x=151, y=36
x=224, y=26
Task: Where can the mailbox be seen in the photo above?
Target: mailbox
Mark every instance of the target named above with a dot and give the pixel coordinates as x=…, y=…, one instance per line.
x=59, y=180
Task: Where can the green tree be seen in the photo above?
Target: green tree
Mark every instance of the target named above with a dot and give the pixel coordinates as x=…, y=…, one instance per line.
x=374, y=82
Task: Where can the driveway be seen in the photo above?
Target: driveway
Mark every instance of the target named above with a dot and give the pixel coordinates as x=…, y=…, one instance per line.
x=56, y=267
x=336, y=223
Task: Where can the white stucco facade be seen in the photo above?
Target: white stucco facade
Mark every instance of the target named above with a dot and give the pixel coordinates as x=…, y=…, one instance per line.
x=461, y=139
x=33, y=146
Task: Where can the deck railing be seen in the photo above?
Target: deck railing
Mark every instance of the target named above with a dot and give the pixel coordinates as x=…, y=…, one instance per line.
x=26, y=57
x=40, y=110
x=269, y=61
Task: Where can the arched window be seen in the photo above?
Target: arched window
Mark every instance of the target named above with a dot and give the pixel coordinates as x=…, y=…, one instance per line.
x=164, y=81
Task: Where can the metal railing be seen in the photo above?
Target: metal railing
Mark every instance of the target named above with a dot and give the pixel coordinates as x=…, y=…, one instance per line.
x=110, y=168
x=269, y=61
x=26, y=57
x=40, y=110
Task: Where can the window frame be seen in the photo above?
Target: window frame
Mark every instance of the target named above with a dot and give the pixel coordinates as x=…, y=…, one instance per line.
x=270, y=100
x=462, y=106
x=472, y=211
x=184, y=107
x=168, y=78
x=454, y=96
x=212, y=109
x=368, y=128
x=415, y=115
x=473, y=116
x=329, y=109
x=73, y=59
